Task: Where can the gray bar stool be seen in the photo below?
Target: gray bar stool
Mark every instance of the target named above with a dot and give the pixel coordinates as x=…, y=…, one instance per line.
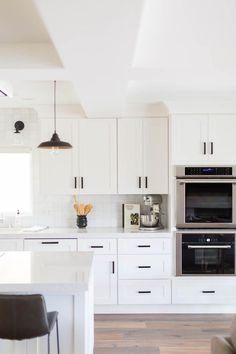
x=26, y=317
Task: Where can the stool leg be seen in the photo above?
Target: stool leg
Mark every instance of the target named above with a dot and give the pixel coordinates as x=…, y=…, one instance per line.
x=58, y=346
x=48, y=343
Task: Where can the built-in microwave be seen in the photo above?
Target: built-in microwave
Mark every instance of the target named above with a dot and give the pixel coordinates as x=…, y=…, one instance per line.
x=205, y=197
x=202, y=253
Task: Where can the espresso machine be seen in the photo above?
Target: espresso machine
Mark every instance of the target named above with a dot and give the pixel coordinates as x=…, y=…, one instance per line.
x=150, y=218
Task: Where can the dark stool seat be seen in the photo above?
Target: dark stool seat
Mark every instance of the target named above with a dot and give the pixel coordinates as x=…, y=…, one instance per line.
x=26, y=317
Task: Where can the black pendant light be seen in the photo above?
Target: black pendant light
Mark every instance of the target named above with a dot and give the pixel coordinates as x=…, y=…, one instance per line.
x=55, y=142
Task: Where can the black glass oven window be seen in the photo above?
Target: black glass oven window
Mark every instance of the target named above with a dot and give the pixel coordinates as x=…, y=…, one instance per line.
x=208, y=203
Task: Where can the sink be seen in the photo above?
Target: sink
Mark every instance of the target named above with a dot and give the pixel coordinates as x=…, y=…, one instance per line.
x=9, y=230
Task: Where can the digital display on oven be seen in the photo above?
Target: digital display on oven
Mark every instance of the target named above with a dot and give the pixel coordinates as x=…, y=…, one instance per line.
x=208, y=171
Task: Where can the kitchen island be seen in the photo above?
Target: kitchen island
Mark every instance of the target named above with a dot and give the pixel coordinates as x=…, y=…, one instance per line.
x=66, y=281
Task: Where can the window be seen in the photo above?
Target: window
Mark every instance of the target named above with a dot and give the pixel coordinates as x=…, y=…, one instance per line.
x=15, y=182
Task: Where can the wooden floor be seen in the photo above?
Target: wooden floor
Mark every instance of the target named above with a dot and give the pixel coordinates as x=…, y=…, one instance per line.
x=157, y=334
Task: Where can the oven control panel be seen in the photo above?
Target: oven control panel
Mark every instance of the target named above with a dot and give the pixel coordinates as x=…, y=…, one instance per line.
x=208, y=171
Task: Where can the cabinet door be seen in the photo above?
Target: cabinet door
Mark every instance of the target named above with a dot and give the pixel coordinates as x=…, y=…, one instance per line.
x=155, y=155
x=97, y=156
x=57, y=168
x=130, y=167
x=105, y=280
x=222, y=142
x=11, y=245
x=189, y=138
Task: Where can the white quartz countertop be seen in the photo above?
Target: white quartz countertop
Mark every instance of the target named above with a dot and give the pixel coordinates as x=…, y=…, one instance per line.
x=63, y=272
x=102, y=232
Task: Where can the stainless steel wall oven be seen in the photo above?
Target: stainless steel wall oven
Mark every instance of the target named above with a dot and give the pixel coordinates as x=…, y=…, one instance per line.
x=205, y=197
x=205, y=254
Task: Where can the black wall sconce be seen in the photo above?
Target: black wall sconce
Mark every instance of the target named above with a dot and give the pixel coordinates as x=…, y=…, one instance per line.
x=19, y=125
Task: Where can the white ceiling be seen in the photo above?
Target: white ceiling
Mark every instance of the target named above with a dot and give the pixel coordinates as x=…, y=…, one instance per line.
x=113, y=53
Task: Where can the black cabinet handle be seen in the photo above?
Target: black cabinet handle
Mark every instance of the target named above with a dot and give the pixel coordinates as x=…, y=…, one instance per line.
x=144, y=292
x=208, y=291
x=49, y=242
x=144, y=267
x=204, y=148
x=75, y=182
x=96, y=246
x=113, y=267
x=82, y=182
x=146, y=182
x=144, y=246
x=140, y=182
x=212, y=151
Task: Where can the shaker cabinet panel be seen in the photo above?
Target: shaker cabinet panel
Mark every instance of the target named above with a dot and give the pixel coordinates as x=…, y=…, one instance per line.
x=143, y=156
x=97, y=156
x=155, y=155
x=130, y=167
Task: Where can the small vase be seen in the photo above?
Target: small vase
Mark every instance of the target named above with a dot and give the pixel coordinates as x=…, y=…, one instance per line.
x=81, y=221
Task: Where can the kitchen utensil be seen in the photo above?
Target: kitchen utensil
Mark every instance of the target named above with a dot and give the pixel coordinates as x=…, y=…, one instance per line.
x=81, y=209
x=149, y=220
x=88, y=208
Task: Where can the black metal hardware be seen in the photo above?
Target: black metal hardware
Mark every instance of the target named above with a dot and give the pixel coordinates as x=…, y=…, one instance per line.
x=96, y=246
x=146, y=182
x=113, y=267
x=19, y=125
x=75, y=182
x=82, y=182
x=49, y=242
x=144, y=292
x=139, y=182
x=208, y=291
x=144, y=267
x=144, y=246
x=212, y=148
x=204, y=148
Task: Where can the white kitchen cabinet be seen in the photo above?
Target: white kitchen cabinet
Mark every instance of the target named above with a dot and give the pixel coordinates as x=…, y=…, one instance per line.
x=11, y=245
x=50, y=245
x=203, y=139
x=105, y=269
x=57, y=169
x=143, y=156
x=90, y=167
x=97, y=156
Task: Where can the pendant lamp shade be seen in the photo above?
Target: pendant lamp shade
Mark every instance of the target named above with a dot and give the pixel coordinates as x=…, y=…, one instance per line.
x=55, y=142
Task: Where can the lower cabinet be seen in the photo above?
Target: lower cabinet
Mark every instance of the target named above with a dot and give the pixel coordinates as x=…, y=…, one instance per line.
x=105, y=269
x=204, y=291
x=11, y=245
x=146, y=292
x=50, y=244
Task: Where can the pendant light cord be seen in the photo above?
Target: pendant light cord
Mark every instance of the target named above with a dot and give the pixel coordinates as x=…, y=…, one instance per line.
x=55, y=123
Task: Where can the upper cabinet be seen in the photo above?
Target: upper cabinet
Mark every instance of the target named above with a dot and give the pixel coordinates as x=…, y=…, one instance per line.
x=203, y=139
x=90, y=167
x=143, y=156
x=97, y=157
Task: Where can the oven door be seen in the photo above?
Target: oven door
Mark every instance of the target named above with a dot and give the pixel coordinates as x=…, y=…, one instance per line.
x=205, y=203
x=196, y=258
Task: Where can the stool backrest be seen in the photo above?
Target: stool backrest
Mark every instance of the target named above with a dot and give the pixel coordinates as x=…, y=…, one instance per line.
x=23, y=316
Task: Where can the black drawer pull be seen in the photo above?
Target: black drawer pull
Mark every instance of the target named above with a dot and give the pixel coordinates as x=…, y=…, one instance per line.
x=96, y=246
x=50, y=243
x=144, y=292
x=144, y=267
x=208, y=291
x=113, y=267
x=144, y=246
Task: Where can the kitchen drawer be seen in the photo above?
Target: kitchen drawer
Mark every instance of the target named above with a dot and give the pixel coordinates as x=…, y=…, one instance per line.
x=144, y=267
x=144, y=246
x=144, y=292
x=220, y=290
x=98, y=246
x=50, y=244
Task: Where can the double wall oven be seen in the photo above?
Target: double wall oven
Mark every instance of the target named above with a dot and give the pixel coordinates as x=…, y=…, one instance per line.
x=205, y=202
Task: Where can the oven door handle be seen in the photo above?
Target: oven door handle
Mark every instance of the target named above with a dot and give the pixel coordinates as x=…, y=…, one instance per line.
x=210, y=180
x=209, y=247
